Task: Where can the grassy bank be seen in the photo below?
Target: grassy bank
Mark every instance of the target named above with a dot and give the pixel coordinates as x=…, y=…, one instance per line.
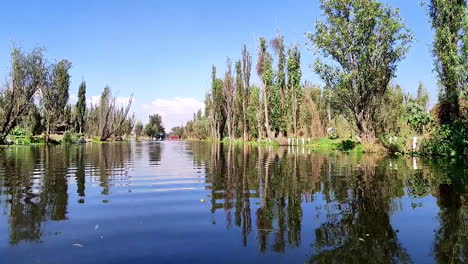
x=320, y=144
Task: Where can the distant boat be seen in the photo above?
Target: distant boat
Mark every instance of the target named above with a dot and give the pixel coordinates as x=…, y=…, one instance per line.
x=174, y=137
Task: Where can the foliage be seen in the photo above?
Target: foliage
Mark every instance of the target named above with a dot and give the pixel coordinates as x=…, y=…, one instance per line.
x=106, y=119
x=154, y=125
x=81, y=107
x=55, y=94
x=366, y=40
x=448, y=19
x=416, y=117
x=67, y=138
x=446, y=140
x=28, y=74
x=18, y=131
x=138, y=130
x=346, y=145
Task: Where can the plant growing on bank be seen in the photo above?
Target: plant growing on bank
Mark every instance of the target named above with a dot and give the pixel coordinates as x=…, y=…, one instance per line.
x=365, y=40
x=55, y=95
x=27, y=76
x=448, y=19
x=138, y=130
x=154, y=125
x=105, y=119
x=81, y=108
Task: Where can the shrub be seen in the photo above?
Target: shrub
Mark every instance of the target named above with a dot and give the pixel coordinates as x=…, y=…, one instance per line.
x=446, y=141
x=18, y=131
x=346, y=145
x=67, y=138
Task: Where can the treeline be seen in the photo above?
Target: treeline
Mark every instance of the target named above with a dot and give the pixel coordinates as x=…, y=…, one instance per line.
x=35, y=101
x=358, y=46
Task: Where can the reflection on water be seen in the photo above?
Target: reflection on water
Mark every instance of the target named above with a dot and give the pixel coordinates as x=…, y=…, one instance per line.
x=172, y=202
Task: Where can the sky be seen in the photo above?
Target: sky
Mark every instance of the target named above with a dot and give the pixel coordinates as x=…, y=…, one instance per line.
x=161, y=52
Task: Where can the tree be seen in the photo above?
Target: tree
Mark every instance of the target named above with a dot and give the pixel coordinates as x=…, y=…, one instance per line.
x=228, y=94
x=81, y=107
x=138, y=130
x=246, y=70
x=266, y=74
x=28, y=74
x=448, y=19
x=294, y=84
x=105, y=119
x=365, y=40
x=239, y=100
x=215, y=106
x=154, y=125
x=422, y=96
x=254, y=112
x=55, y=94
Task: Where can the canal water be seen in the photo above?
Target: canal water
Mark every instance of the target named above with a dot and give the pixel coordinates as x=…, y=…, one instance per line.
x=195, y=202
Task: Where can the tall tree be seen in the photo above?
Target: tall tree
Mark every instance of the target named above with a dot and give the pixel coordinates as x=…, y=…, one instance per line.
x=81, y=107
x=294, y=84
x=246, y=70
x=154, y=125
x=55, y=94
x=215, y=102
x=280, y=102
x=266, y=74
x=228, y=93
x=138, y=130
x=366, y=40
x=28, y=75
x=422, y=96
x=239, y=99
x=448, y=18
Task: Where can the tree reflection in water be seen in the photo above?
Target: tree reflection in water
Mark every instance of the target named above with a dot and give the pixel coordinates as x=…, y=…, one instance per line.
x=361, y=193
x=265, y=193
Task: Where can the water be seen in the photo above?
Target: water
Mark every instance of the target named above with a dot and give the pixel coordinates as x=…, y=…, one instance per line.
x=179, y=202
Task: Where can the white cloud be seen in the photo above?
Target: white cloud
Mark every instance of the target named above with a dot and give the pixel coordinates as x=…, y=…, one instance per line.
x=174, y=112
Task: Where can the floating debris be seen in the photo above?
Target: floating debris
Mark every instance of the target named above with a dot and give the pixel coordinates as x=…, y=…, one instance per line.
x=361, y=239
x=201, y=200
x=78, y=245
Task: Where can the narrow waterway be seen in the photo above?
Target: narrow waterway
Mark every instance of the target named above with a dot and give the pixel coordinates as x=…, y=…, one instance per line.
x=195, y=202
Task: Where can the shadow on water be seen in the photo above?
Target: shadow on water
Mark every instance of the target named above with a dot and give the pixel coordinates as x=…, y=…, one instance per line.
x=333, y=208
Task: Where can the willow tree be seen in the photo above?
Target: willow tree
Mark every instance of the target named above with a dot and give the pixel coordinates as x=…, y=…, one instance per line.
x=449, y=17
x=362, y=42
x=106, y=119
x=28, y=75
x=55, y=94
x=280, y=94
x=246, y=70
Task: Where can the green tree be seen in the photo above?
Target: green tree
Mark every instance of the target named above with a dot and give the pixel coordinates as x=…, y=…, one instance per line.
x=294, y=85
x=246, y=71
x=254, y=112
x=366, y=40
x=154, y=125
x=27, y=75
x=81, y=107
x=138, y=130
x=239, y=100
x=270, y=97
x=55, y=95
x=448, y=19
x=422, y=96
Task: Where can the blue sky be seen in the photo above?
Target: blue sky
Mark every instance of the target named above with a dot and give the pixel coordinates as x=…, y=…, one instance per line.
x=162, y=51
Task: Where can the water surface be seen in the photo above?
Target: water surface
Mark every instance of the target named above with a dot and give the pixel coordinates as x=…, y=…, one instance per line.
x=193, y=202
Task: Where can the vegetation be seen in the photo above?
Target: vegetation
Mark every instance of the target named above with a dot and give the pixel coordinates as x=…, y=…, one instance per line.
x=359, y=45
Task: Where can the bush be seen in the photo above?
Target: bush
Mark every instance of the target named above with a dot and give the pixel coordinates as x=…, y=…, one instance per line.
x=331, y=133
x=67, y=138
x=346, y=145
x=446, y=141
x=393, y=144
x=18, y=131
